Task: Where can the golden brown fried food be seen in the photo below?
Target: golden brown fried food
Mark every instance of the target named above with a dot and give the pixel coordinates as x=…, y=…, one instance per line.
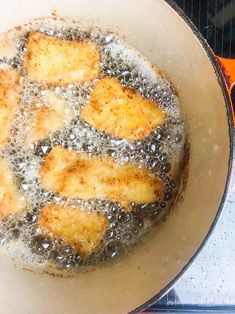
x=57, y=61
x=49, y=118
x=9, y=98
x=81, y=229
x=10, y=200
x=77, y=176
x=8, y=45
x=121, y=111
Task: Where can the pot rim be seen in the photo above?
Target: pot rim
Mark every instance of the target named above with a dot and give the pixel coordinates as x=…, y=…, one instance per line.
x=222, y=83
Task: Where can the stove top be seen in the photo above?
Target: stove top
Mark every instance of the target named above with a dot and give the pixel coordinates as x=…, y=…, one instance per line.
x=209, y=283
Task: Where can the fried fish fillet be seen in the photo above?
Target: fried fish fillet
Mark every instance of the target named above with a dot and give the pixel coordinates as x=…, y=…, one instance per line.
x=81, y=229
x=10, y=200
x=9, y=98
x=121, y=111
x=57, y=61
x=78, y=176
x=49, y=118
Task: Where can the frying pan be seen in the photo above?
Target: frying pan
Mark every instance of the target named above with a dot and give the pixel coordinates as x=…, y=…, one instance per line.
x=160, y=31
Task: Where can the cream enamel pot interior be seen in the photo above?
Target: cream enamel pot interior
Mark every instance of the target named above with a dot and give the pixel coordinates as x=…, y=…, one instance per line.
x=155, y=29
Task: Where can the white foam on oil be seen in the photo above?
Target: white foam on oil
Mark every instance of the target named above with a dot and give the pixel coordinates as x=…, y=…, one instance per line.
x=132, y=58
x=160, y=151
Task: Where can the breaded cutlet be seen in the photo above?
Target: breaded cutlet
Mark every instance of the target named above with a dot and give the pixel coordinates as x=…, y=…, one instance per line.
x=48, y=118
x=121, y=111
x=56, y=61
x=76, y=175
x=9, y=99
x=81, y=229
x=10, y=198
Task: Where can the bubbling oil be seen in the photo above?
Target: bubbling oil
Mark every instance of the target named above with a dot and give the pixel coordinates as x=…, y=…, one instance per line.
x=162, y=151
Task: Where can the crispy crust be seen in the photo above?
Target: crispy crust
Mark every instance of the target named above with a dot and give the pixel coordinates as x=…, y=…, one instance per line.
x=81, y=229
x=121, y=111
x=9, y=98
x=49, y=118
x=10, y=202
x=54, y=61
x=78, y=176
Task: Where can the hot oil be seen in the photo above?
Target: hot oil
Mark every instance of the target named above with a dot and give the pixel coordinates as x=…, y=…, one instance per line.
x=162, y=152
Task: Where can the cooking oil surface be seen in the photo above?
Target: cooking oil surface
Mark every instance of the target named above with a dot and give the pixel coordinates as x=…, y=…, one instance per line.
x=161, y=152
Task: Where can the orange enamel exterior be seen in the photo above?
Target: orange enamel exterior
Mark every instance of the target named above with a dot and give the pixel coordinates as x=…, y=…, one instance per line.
x=228, y=67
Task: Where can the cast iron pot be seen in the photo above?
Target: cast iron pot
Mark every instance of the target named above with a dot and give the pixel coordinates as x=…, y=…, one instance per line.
x=159, y=30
